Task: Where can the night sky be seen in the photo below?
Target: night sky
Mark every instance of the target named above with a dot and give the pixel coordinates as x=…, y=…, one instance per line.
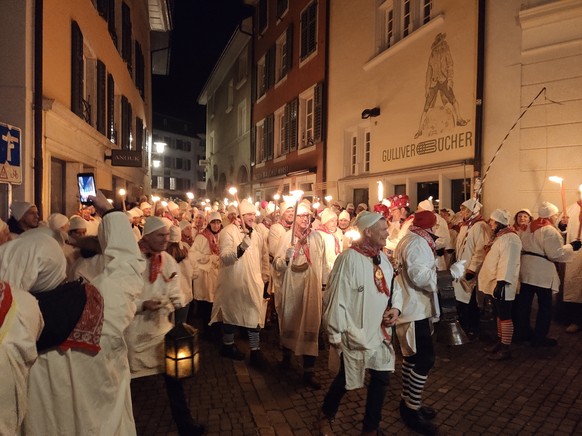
x=201, y=30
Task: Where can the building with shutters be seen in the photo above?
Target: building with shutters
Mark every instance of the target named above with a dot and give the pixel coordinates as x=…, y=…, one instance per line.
x=78, y=85
x=288, y=110
x=227, y=97
x=422, y=94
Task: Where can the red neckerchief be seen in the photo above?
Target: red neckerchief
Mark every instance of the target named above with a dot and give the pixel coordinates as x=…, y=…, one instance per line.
x=499, y=234
x=424, y=235
x=6, y=306
x=470, y=222
x=154, y=258
x=363, y=247
x=285, y=225
x=302, y=243
x=87, y=332
x=212, y=240
x=324, y=229
x=539, y=223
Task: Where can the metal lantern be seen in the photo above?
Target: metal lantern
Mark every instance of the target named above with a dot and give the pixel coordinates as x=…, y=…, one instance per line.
x=449, y=330
x=181, y=351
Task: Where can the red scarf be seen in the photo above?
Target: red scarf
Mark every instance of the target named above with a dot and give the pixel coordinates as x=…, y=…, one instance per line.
x=499, y=234
x=302, y=243
x=212, y=240
x=424, y=235
x=472, y=221
x=285, y=225
x=539, y=223
x=87, y=332
x=363, y=247
x=6, y=308
x=155, y=260
x=324, y=229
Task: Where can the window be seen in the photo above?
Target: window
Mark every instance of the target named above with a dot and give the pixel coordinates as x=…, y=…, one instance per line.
x=260, y=141
x=396, y=19
x=308, y=30
x=263, y=15
x=241, y=124
x=179, y=163
x=139, y=69
x=77, y=70
x=126, y=36
x=354, y=155
x=284, y=54
x=367, y=150
x=280, y=133
x=211, y=143
x=187, y=146
x=160, y=180
x=139, y=134
x=211, y=106
x=187, y=164
x=269, y=136
x=230, y=96
x=167, y=162
x=282, y=7
x=261, y=78
x=126, y=124
x=111, y=130
x=172, y=183
x=310, y=112
x=242, y=68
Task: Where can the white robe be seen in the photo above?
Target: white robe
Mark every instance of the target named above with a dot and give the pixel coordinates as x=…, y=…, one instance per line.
x=73, y=392
x=502, y=263
x=353, y=310
x=573, y=273
x=536, y=270
x=145, y=334
x=239, y=294
x=276, y=232
x=471, y=248
x=330, y=252
x=300, y=297
x=205, y=269
x=17, y=354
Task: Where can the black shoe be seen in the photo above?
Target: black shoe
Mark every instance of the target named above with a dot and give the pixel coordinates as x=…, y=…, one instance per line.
x=232, y=352
x=494, y=348
x=258, y=360
x=427, y=412
x=309, y=381
x=544, y=342
x=416, y=421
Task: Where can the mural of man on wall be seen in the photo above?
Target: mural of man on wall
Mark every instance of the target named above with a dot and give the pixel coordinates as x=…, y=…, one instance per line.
x=439, y=81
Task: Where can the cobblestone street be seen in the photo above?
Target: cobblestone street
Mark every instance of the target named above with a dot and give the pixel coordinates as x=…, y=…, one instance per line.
x=537, y=392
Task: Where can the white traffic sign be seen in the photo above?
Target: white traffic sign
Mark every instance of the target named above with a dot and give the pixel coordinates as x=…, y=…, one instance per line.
x=10, y=167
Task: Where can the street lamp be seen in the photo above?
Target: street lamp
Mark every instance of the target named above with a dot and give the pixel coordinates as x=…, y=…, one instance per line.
x=190, y=196
x=160, y=146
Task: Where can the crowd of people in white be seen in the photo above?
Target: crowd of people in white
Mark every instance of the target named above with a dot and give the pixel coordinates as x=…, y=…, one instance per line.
x=85, y=301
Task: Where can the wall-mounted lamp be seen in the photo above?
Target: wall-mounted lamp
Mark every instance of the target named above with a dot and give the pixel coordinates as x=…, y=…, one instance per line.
x=370, y=113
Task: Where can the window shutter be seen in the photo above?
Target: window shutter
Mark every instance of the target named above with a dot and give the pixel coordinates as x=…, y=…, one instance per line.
x=101, y=97
x=270, y=66
x=126, y=36
x=289, y=57
x=287, y=123
x=254, y=87
x=312, y=26
x=139, y=69
x=253, y=146
x=270, y=136
x=294, y=121
x=102, y=6
x=281, y=7
x=139, y=134
x=263, y=15
x=77, y=82
x=318, y=113
x=111, y=134
x=304, y=34
x=111, y=22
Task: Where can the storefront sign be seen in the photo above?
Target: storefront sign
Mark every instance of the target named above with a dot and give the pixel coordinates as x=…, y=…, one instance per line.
x=442, y=144
x=126, y=158
x=10, y=168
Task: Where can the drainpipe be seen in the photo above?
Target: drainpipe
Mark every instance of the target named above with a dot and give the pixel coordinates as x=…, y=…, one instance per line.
x=477, y=162
x=38, y=149
x=325, y=98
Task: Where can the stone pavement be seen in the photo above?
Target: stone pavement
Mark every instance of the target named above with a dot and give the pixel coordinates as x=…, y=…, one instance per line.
x=538, y=391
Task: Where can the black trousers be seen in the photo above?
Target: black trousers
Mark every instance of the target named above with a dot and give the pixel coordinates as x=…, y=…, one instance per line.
x=544, y=317
x=469, y=314
x=374, y=401
x=179, y=406
x=424, y=358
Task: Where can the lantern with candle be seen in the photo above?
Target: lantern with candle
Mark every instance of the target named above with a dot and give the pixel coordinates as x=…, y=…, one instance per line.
x=181, y=351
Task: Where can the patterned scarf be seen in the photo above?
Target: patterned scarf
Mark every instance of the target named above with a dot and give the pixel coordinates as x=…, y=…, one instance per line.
x=286, y=226
x=424, y=235
x=539, y=223
x=499, y=234
x=302, y=243
x=212, y=240
x=364, y=247
x=87, y=332
x=324, y=229
x=7, y=309
x=154, y=258
x=471, y=222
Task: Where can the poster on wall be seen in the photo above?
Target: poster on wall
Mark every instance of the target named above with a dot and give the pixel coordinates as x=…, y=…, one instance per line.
x=10, y=163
